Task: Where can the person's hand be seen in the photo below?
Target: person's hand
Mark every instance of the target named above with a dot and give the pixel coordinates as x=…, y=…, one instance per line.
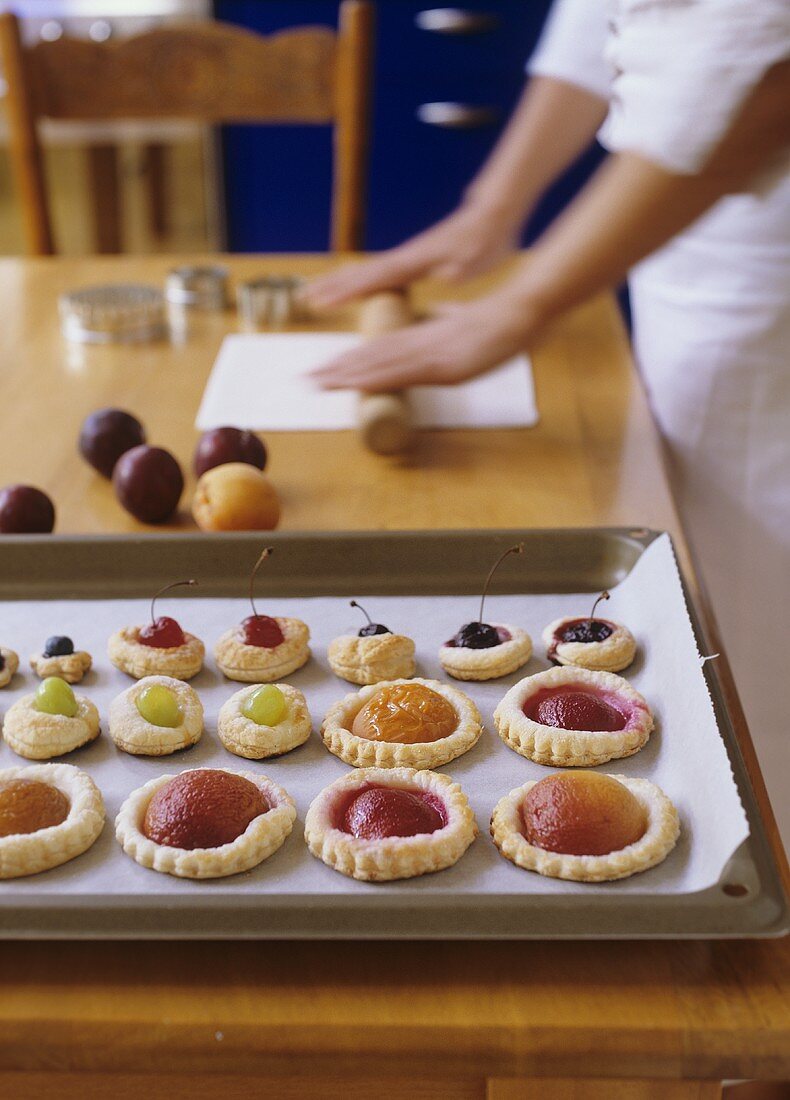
x=444, y=351
x=468, y=242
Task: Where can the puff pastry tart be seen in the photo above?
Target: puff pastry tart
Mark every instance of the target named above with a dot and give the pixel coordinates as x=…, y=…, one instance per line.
x=377, y=825
x=585, y=826
x=264, y=720
x=371, y=655
x=594, y=643
x=49, y=814
x=59, y=658
x=161, y=648
x=206, y=823
x=402, y=723
x=50, y=722
x=9, y=663
x=156, y=716
x=572, y=717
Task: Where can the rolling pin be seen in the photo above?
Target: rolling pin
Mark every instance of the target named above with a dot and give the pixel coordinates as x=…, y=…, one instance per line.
x=385, y=425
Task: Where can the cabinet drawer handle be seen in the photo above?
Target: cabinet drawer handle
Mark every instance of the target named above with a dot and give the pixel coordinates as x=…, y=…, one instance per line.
x=457, y=116
x=456, y=21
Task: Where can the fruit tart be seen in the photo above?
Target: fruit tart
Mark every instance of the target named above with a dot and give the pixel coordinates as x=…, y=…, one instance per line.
x=572, y=717
x=264, y=720
x=377, y=825
x=51, y=721
x=161, y=648
x=598, y=644
x=206, y=823
x=486, y=651
x=49, y=814
x=59, y=658
x=585, y=826
x=9, y=663
x=156, y=716
x=373, y=654
x=262, y=648
x=402, y=723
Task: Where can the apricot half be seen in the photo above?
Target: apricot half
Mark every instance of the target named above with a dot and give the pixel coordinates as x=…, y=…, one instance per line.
x=406, y=714
x=582, y=814
x=27, y=806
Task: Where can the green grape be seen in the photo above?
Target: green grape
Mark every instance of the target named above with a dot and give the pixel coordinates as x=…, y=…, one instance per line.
x=54, y=696
x=159, y=706
x=266, y=706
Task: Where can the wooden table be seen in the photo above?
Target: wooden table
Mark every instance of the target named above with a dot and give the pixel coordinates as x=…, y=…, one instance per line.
x=425, y=1020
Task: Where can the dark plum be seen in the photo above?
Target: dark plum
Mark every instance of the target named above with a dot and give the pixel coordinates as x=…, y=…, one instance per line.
x=223, y=445
x=148, y=483
x=107, y=434
x=25, y=510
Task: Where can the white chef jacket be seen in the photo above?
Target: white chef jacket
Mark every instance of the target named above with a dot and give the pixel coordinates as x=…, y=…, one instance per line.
x=711, y=311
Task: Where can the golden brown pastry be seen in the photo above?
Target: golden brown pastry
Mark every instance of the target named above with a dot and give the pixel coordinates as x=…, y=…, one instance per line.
x=51, y=721
x=156, y=716
x=264, y=720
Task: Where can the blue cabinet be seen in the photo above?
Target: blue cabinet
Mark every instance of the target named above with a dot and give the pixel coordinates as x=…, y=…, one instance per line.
x=277, y=179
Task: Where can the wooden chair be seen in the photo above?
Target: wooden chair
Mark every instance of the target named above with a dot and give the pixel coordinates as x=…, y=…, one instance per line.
x=212, y=72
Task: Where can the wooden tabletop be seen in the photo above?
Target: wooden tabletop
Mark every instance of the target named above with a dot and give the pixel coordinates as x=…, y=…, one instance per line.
x=366, y=1019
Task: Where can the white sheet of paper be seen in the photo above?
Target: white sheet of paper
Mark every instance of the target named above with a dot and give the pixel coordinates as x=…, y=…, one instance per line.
x=259, y=381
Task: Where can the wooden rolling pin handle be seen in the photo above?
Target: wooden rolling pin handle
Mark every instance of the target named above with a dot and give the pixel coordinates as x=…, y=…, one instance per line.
x=385, y=418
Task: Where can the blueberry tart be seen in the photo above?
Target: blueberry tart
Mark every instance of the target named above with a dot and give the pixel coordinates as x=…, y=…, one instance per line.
x=60, y=658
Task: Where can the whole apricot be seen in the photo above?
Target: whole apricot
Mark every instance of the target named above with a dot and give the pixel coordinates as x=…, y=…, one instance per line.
x=235, y=497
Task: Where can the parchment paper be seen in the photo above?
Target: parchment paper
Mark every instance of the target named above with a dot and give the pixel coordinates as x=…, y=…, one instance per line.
x=685, y=754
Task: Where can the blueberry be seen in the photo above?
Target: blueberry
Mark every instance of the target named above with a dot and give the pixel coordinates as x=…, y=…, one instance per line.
x=477, y=636
x=586, y=630
x=58, y=646
x=373, y=628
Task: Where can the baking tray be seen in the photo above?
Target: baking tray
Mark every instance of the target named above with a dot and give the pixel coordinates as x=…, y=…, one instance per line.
x=747, y=901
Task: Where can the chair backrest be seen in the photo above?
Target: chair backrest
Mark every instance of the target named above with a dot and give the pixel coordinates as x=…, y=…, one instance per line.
x=213, y=72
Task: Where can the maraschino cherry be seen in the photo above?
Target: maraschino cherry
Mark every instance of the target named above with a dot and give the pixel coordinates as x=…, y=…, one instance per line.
x=587, y=630
x=371, y=628
x=261, y=630
x=164, y=632
x=481, y=635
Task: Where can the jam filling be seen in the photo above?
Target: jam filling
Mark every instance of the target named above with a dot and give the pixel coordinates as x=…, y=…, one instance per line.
x=405, y=714
x=377, y=812
x=576, y=708
x=582, y=814
x=581, y=630
x=27, y=806
x=205, y=808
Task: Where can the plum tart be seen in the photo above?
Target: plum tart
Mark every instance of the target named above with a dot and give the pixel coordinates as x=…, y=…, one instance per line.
x=381, y=824
x=594, y=643
x=264, y=720
x=486, y=651
x=156, y=716
x=51, y=721
x=373, y=654
x=161, y=648
x=49, y=814
x=206, y=823
x=402, y=723
x=262, y=648
x=9, y=664
x=585, y=826
x=60, y=658
x=572, y=717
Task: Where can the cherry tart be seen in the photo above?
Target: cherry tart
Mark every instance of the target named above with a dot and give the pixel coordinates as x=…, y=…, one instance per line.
x=264, y=720
x=49, y=814
x=206, y=823
x=60, y=658
x=50, y=722
x=585, y=826
x=597, y=644
x=166, y=651
x=402, y=723
x=485, y=651
x=378, y=824
x=263, y=649
x=156, y=716
x=572, y=717
x=9, y=664
x=373, y=654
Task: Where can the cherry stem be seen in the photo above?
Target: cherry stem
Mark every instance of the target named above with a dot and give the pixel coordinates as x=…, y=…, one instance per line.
x=167, y=587
x=263, y=556
x=353, y=603
x=603, y=596
x=518, y=549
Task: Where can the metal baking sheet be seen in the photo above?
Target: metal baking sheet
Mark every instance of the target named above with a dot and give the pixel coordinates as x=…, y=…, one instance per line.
x=416, y=565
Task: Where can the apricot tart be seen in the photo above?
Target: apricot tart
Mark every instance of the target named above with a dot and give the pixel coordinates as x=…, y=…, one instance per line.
x=49, y=814
x=402, y=723
x=9, y=663
x=161, y=648
x=264, y=720
x=205, y=823
x=371, y=655
x=594, y=643
x=572, y=717
x=60, y=658
x=156, y=716
x=380, y=824
x=585, y=826
x=51, y=721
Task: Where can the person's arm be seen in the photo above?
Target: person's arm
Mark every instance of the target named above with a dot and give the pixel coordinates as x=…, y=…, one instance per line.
x=552, y=124
x=630, y=208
